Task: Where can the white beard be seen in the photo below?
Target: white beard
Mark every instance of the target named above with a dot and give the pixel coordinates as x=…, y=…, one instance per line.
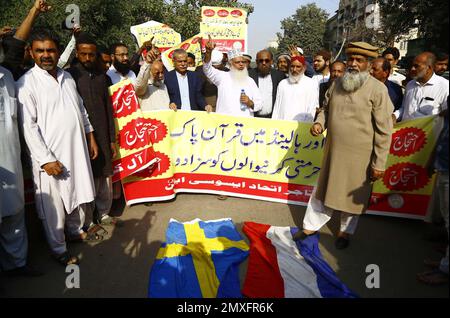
x=353, y=81
x=420, y=75
x=294, y=79
x=239, y=77
x=157, y=83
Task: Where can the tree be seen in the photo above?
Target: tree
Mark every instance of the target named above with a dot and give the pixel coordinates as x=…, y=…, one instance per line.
x=305, y=29
x=431, y=17
x=110, y=21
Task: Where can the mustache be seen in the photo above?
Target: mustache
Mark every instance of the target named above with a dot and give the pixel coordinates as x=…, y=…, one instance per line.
x=46, y=59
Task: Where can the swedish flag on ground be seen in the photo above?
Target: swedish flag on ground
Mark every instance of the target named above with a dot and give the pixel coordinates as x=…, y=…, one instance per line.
x=199, y=259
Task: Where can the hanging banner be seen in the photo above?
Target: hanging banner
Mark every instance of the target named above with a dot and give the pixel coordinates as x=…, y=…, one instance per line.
x=406, y=187
x=164, y=36
x=134, y=134
x=226, y=26
x=192, y=45
x=271, y=160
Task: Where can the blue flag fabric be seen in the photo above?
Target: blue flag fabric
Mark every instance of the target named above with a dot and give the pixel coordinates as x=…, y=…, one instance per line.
x=200, y=259
x=329, y=284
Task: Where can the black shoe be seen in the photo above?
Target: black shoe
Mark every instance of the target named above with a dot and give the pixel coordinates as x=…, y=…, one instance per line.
x=341, y=243
x=25, y=271
x=300, y=235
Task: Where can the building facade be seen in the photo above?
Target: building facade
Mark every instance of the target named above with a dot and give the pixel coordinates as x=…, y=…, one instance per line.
x=356, y=20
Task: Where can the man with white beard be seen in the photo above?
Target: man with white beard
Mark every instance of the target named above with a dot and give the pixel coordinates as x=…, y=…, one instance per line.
x=357, y=114
x=149, y=86
x=298, y=95
x=237, y=94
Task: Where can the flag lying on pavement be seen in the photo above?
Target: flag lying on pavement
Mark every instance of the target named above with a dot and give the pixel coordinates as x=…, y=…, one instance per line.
x=199, y=259
x=280, y=267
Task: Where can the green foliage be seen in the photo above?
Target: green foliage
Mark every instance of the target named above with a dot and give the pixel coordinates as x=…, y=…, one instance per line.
x=110, y=21
x=305, y=29
x=432, y=17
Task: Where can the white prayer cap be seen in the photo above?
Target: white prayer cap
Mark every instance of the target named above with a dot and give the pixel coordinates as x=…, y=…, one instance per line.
x=234, y=53
x=216, y=57
x=300, y=50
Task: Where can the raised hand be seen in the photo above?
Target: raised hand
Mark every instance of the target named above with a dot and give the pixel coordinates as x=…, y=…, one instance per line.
x=76, y=30
x=210, y=45
x=148, y=44
x=5, y=30
x=293, y=50
x=42, y=6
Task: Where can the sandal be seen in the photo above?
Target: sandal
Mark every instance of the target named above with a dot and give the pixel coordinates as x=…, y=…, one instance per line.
x=90, y=235
x=108, y=220
x=434, y=277
x=96, y=228
x=66, y=259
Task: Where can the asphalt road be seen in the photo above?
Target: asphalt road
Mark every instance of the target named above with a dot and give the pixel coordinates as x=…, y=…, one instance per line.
x=119, y=265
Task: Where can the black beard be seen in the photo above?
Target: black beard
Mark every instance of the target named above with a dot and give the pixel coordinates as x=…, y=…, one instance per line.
x=122, y=68
x=320, y=70
x=88, y=66
x=264, y=73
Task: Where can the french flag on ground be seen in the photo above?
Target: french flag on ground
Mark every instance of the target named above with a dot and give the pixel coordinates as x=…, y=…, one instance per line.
x=280, y=267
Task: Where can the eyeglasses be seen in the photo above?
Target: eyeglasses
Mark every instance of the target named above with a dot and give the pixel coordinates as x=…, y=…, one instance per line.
x=264, y=61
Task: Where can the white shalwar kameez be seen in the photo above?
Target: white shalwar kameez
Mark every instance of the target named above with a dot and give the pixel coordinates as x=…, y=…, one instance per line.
x=229, y=92
x=13, y=234
x=317, y=215
x=55, y=124
x=296, y=101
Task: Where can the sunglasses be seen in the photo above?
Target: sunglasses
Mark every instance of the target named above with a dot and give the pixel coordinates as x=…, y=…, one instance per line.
x=264, y=60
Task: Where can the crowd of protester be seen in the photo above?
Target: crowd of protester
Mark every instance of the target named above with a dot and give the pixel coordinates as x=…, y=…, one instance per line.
x=55, y=109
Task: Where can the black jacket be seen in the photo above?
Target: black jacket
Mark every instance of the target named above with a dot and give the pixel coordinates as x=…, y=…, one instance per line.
x=93, y=89
x=195, y=90
x=277, y=77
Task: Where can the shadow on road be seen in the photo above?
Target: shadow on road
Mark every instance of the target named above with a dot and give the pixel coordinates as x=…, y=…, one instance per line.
x=117, y=266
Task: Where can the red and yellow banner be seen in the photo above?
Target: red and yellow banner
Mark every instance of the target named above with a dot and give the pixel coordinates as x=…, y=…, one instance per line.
x=270, y=160
x=406, y=187
x=135, y=134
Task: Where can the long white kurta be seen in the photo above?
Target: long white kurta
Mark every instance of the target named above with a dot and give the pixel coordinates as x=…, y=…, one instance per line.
x=296, y=101
x=229, y=92
x=55, y=123
x=11, y=180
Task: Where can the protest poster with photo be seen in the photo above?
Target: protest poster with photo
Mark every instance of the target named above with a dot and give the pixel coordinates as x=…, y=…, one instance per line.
x=164, y=37
x=227, y=26
x=191, y=45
